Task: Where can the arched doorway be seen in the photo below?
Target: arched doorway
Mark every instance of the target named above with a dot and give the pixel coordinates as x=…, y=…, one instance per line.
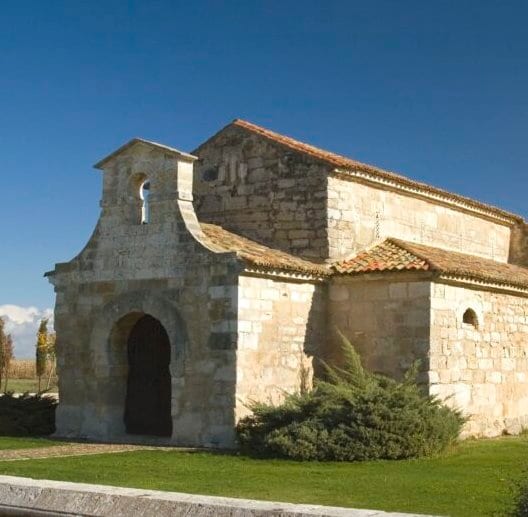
x=148, y=392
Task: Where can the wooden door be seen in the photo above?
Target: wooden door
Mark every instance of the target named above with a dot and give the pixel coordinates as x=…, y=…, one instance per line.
x=148, y=398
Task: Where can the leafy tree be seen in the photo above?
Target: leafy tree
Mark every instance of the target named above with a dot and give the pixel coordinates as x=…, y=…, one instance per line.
x=41, y=350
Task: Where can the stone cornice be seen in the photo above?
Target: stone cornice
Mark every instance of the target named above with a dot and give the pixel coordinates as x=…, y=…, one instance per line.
x=165, y=148
x=481, y=284
x=290, y=276
x=427, y=192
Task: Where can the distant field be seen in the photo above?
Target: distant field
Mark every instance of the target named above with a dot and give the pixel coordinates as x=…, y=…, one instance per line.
x=22, y=369
x=22, y=377
x=29, y=385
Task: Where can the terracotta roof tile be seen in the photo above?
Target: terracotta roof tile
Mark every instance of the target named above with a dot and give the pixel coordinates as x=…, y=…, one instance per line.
x=391, y=255
x=394, y=255
x=347, y=164
x=386, y=256
x=259, y=255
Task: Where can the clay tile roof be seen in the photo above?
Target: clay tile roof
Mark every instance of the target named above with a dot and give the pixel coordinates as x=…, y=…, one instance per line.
x=347, y=164
x=386, y=256
x=396, y=255
x=259, y=255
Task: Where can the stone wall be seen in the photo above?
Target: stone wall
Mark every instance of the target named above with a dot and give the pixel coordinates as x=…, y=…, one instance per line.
x=258, y=189
x=163, y=269
x=281, y=329
x=484, y=369
x=293, y=202
x=387, y=320
x=519, y=245
x=359, y=214
x=237, y=338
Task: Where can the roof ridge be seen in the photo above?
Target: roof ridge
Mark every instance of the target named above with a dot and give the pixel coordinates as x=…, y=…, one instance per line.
x=298, y=145
x=375, y=253
x=350, y=165
x=405, y=246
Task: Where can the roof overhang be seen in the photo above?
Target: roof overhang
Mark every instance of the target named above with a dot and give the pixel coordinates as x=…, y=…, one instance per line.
x=140, y=141
x=466, y=282
x=482, y=285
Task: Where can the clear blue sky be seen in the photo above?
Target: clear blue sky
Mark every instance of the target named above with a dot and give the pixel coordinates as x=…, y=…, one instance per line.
x=435, y=90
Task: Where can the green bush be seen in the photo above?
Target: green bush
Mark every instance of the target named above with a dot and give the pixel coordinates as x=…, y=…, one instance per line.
x=27, y=415
x=353, y=415
x=520, y=504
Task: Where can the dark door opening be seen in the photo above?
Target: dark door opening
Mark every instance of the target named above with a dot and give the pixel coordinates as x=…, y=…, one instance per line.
x=148, y=398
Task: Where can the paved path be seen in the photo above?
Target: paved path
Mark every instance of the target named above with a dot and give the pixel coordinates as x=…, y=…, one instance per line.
x=68, y=449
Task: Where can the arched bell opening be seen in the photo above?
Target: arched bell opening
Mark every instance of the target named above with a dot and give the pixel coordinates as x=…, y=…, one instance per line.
x=144, y=193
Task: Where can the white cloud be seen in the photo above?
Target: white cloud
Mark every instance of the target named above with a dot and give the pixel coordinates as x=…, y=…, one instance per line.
x=22, y=323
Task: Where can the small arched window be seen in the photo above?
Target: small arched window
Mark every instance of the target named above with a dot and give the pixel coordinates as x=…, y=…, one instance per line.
x=144, y=191
x=470, y=318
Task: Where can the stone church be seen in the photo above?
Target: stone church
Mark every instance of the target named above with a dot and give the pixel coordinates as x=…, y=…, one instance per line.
x=220, y=277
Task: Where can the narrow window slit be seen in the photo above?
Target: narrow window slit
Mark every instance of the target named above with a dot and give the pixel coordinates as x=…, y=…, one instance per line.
x=144, y=192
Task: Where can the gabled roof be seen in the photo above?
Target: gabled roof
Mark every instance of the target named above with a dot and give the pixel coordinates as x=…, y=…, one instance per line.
x=134, y=141
x=259, y=255
x=347, y=165
x=394, y=255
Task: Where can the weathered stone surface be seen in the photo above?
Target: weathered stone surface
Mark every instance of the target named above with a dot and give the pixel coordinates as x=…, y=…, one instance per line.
x=240, y=331
x=281, y=327
x=163, y=269
x=23, y=496
x=519, y=245
x=363, y=213
x=388, y=322
x=265, y=194
x=482, y=369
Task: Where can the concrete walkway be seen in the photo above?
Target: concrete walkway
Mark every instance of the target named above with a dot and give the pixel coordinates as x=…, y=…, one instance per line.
x=31, y=497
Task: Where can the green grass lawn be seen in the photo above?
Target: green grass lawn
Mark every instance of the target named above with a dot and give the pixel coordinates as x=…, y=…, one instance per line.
x=8, y=442
x=475, y=479
x=27, y=385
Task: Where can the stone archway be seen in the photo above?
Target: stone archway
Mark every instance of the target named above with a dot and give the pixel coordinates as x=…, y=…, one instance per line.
x=148, y=391
x=109, y=351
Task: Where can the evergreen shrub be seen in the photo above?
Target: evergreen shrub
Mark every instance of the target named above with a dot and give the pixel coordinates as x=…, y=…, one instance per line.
x=352, y=415
x=520, y=504
x=27, y=415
